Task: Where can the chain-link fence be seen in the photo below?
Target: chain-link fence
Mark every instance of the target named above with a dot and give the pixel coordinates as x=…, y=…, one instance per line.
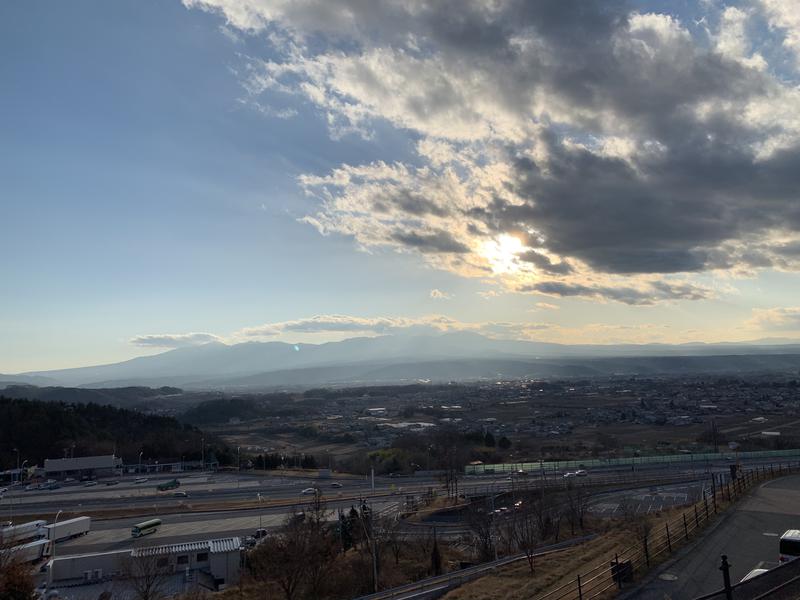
x=655, y=543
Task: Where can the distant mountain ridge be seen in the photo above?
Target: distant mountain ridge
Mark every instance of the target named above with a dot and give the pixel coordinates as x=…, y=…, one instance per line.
x=399, y=358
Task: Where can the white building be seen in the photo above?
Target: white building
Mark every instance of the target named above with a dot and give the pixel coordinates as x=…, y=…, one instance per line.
x=173, y=568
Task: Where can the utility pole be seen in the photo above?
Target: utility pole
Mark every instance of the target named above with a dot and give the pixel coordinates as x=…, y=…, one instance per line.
x=714, y=435
x=19, y=475
x=139, y=470
x=53, y=542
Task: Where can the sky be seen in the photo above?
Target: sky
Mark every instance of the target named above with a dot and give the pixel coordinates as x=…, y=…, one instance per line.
x=178, y=173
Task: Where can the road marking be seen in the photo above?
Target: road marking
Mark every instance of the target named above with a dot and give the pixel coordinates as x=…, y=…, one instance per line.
x=668, y=577
x=768, y=534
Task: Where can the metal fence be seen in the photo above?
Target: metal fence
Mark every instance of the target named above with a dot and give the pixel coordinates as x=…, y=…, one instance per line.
x=655, y=544
x=462, y=576
x=589, y=463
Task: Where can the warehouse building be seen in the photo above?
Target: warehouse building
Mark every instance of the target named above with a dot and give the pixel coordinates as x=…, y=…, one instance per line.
x=83, y=466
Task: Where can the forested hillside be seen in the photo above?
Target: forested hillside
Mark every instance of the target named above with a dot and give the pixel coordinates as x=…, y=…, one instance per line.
x=52, y=429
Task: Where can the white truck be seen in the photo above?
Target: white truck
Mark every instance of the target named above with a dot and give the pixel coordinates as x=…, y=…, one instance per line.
x=68, y=529
x=30, y=552
x=17, y=534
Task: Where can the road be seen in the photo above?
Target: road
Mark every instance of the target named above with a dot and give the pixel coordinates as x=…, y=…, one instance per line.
x=749, y=536
x=115, y=534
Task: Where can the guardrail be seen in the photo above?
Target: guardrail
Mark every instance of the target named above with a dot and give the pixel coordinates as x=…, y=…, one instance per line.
x=651, y=544
x=456, y=578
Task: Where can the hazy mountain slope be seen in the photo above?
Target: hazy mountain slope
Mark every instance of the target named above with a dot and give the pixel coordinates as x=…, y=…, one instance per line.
x=220, y=362
x=489, y=369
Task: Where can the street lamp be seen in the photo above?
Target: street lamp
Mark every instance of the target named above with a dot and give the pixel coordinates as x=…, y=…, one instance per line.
x=260, y=498
x=140, y=462
x=53, y=542
x=18, y=473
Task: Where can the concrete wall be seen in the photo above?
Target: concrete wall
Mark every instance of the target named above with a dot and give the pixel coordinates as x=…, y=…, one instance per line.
x=73, y=567
x=226, y=566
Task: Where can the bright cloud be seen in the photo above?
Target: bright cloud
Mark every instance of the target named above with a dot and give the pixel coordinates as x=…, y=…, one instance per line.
x=174, y=340
x=437, y=294
x=776, y=319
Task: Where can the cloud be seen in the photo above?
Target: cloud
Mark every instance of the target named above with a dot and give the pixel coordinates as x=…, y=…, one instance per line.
x=440, y=295
x=649, y=294
x=776, y=319
x=546, y=306
x=322, y=328
x=350, y=324
x=434, y=241
x=174, y=340
x=614, y=146
x=785, y=16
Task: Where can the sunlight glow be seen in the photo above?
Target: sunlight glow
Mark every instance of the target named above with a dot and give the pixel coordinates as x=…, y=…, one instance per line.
x=501, y=254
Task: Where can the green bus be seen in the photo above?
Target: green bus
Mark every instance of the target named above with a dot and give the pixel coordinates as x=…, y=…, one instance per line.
x=168, y=485
x=146, y=527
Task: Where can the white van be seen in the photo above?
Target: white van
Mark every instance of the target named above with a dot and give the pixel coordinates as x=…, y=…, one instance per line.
x=789, y=547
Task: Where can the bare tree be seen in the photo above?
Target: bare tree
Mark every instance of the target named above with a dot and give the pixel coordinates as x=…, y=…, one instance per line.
x=16, y=582
x=146, y=574
x=390, y=534
x=480, y=520
x=527, y=533
x=321, y=546
x=282, y=558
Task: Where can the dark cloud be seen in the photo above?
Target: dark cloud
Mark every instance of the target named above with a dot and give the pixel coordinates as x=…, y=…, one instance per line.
x=408, y=202
x=669, y=214
x=544, y=263
x=655, y=292
x=430, y=242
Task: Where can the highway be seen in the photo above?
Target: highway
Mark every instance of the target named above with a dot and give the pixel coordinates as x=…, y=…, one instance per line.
x=211, y=509
x=115, y=534
x=749, y=536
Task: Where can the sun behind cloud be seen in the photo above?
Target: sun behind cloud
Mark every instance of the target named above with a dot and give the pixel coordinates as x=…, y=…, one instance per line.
x=502, y=254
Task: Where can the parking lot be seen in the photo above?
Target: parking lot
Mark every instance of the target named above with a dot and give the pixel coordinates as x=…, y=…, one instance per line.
x=647, y=501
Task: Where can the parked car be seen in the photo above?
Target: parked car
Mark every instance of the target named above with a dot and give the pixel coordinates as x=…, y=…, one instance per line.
x=250, y=542
x=260, y=533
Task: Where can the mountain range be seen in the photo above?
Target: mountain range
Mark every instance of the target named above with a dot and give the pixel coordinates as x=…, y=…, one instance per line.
x=456, y=356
